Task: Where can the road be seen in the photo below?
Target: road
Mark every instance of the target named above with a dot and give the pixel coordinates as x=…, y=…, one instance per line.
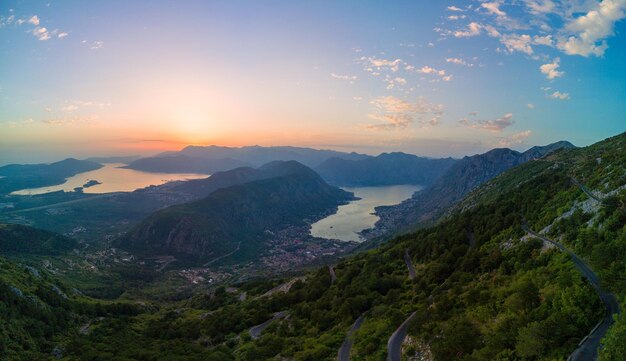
x=255, y=332
x=588, y=348
x=584, y=189
x=224, y=256
x=333, y=276
x=60, y=204
x=344, y=350
x=394, y=345
x=409, y=265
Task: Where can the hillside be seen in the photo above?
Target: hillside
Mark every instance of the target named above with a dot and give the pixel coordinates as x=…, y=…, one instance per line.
x=237, y=217
x=23, y=176
x=485, y=288
x=385, y=169
x=18, y=239
x=457, y=181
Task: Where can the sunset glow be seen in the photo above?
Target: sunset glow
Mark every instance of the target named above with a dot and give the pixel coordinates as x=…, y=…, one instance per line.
x=90, y=76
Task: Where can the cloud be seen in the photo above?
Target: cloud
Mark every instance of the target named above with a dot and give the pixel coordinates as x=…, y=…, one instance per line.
x=473, y=29
x=458, y=61
x=76, y=105
x=400, y=80
x=550, y=69
x=530, y=106
x=515, y=42
x=428, y=70
x=517, y=138
x=492, y=125
x=350, y=78
x=493, y=8
x=543, y=40
x=431, y=71
x=395, y=113
x=71, y=108
x=588, y=33
x=453, y=8
x=579, y=27
x=560, y=96
x=456, y=17
x=537, y=7
x=41, y=33
x=96, y=45
x=62, y=35
x=71, y=120
x=34, y=20
x=393, y=65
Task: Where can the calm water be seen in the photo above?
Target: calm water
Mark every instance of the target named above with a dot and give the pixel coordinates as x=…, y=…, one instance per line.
x=113, y=179
x=358, y=215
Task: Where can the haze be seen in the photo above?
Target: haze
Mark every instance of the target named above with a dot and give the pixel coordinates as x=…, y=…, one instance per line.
x=109, y=78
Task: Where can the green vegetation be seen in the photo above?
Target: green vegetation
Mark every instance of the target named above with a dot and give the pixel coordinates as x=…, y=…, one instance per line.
x=236, y=218
x=498, y=295
x=18, y=239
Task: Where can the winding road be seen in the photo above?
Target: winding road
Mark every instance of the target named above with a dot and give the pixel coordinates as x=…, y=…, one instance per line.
x=587, y=348
x=333, y=276
x=394, y=345
x=409, y=265
x=255, y=332
x=585, y=189
x=344, y=350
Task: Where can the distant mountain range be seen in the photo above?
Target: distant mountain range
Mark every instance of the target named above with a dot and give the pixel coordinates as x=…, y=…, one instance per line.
x=385, y=169
x=210, y=159
x=236, y=218
x=457, y=181
x=22, y=176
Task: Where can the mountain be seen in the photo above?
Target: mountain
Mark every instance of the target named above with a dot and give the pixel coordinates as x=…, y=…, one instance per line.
x=488, y=284
x=23, y=176
x=457, y=181
x=237, y=218
x=19, y=240
x=537, y=152
x=182, y=163
x=385, y=169
x=210, y=159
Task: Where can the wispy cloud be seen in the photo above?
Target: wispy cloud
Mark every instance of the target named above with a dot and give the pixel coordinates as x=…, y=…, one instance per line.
x=96, y=45
x=34, y=20
x=453, y=8
x=459, y=61
x=473, y=29
x=393, y=65
x=559, y=96
x=492, y=125
x=350, y=78
x=396, y=113
x=514, y=139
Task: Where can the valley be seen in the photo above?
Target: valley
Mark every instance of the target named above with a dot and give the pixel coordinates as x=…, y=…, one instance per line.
x=449, y=278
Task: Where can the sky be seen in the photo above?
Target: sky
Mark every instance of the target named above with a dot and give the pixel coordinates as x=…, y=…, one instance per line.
x=432, y=78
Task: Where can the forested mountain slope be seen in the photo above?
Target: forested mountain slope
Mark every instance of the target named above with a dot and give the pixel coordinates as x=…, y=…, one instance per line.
x=237, y=217
x=427, y=205
x=385, y=169
x=484, y=289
